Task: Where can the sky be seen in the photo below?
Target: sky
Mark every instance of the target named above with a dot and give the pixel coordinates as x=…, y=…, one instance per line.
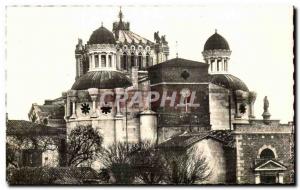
x=40, y=44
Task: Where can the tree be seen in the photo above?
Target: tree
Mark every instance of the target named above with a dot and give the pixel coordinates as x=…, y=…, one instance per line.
x=184, y=167
x=147, y=163
x=117, y=159
x=17, y=143
x=83, y=145
x=11, y=158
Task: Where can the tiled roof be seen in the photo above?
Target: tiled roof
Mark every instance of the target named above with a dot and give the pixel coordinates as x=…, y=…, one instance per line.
x=22, y=127
x=102, y=80
x=129, y=37
x=179, y=62
x=55, y=111
x=187, y=139
x=228, y=81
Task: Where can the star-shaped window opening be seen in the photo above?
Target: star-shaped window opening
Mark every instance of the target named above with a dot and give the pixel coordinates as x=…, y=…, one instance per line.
x=85, y=108
x=106, y=109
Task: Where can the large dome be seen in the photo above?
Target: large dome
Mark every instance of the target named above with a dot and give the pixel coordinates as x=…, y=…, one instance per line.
x=102, y=36
x=102, y=80
x=216, y=41
x=228, y=81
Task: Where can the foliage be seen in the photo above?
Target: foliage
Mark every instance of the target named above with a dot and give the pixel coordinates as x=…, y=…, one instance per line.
x=184, y=167
x=117, y=159
x=148, y=164
x=83, y=145
x=17, y=143
x=29, y=176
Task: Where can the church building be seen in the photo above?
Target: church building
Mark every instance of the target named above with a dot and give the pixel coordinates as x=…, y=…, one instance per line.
x=241, y=149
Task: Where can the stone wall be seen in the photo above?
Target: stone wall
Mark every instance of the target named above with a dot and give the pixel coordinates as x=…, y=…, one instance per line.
x=250, y=139
x=219, y=105
x=213, y=152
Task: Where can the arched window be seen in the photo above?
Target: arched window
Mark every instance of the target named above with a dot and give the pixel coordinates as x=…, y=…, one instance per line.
x=147, y=60
x=124, y=61
x=140, y=61
x=132, y=60
x=96, y=61
x=218, y=65
x=267, y=154
x=103, y=61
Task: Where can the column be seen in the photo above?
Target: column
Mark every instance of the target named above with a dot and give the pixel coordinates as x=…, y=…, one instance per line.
x=144, y=63
x=209, y=65
x=129, y=62
x=252, y=98
x=257, y=178
x=223, y=65
x=106, y=60
x=93, y=92
x=66, y=108
x=226, y=62
x=90, y=61
x=280, y=178
x=73, y=103
x=94, y=113
x=113, y=63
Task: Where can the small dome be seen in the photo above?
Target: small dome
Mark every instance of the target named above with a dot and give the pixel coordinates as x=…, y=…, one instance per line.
x=102, y=36
x=216, y=41
x=228, y=81
x=102, y=80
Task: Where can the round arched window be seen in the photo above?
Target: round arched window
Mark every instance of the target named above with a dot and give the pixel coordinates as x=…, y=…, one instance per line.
x=267, y=154
x=132, y=48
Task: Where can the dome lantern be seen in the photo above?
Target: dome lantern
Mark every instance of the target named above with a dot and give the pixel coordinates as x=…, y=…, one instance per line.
x=216, y=53
x=102, y=50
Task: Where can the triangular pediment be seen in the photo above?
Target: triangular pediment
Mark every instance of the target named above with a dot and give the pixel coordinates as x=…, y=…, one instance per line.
x=270, y=165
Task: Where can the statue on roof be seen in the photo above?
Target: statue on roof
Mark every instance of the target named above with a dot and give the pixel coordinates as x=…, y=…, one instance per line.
x=163, y=39
x=156, y=37
x=266, y=115
x=266, y=104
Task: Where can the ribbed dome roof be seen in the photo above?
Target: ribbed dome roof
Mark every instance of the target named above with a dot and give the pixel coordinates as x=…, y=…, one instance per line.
x=228, y=81
x=102, y=80
x=216, y=41
x=102, y=36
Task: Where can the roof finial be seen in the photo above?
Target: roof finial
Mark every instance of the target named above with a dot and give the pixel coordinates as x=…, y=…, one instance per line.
x=120, y=14
x=101, y=23
x=176, y=49
x=216, y=30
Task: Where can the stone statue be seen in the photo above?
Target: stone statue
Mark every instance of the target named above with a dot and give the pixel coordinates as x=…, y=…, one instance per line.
x=156, y=37
x=266, y=115
x=163, y=39
x=266, y=104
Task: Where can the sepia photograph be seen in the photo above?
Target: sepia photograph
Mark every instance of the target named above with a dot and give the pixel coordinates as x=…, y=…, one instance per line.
x=150, y=95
